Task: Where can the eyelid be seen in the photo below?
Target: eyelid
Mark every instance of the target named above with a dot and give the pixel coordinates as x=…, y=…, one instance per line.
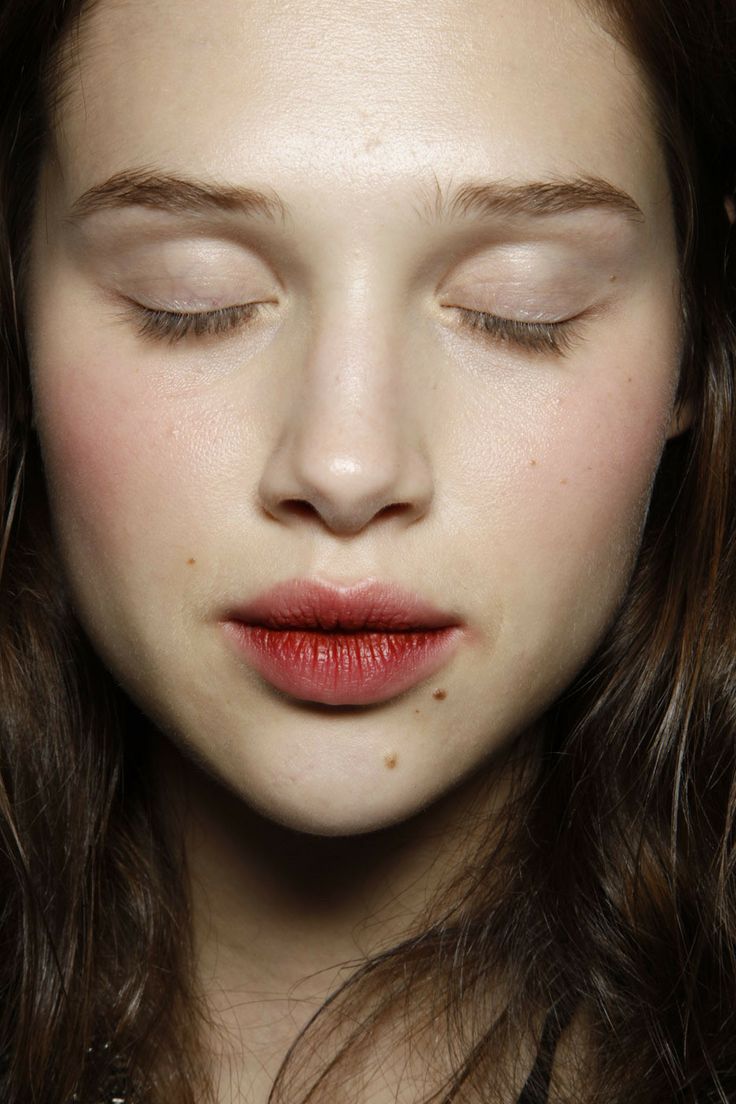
x=556, y=338
x=173, y=326
x=553, y=337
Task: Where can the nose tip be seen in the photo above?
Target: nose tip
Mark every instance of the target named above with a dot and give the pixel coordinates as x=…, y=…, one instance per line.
x=345, y=493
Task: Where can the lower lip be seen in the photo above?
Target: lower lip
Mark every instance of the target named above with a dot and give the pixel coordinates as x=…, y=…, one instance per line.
x=357, y=668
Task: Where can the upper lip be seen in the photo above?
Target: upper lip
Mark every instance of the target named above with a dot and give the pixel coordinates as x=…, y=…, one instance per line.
x=369, y=605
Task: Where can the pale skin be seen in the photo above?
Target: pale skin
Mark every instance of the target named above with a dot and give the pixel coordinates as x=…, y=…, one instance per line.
x=357, y=427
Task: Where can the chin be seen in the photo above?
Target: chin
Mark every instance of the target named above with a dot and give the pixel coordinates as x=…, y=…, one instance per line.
x=332, y=804
x=328, y=818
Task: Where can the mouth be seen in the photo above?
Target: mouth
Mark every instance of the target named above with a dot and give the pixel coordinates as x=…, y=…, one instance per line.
x=356, y=645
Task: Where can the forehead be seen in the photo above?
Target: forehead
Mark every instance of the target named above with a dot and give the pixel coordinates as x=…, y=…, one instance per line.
x=354, y=94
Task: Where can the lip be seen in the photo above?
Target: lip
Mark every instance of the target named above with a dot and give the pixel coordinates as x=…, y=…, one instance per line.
x=342, y=645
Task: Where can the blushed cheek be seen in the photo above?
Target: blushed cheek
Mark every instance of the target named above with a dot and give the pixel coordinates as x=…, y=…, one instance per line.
x=593, y=489
x=119, y=467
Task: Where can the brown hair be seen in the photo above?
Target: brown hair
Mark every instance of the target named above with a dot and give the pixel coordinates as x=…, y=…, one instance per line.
x=609, y=906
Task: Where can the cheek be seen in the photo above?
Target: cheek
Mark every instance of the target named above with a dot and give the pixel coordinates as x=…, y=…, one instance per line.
x=131, y=474
x=557, y=463
x=560, y=461
x=565, y=523
x=602, y=461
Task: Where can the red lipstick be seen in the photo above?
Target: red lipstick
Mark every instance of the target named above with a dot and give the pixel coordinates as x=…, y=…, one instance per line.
x=354, y=645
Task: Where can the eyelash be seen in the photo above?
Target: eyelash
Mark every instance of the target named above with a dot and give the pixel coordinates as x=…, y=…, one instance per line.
x=537, y=337
x=174, y=326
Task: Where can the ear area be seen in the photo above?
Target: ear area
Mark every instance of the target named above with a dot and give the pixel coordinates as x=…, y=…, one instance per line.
x=682, y=414
x=681, y=420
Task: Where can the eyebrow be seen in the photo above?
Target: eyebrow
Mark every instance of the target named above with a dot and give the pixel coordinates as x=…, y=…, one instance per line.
x=181, y=195
x=175, y=195
x=535, y=197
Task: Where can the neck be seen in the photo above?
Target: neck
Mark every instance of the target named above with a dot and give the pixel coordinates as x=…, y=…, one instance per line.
x=281, y=918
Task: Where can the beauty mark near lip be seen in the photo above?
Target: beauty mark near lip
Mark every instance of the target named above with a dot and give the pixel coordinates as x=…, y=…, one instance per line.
x=356, y=645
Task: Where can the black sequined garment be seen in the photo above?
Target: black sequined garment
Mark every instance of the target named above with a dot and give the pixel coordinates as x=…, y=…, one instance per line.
x=117, y=1089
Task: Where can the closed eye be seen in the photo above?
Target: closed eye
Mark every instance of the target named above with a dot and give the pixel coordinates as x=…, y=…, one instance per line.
x=173, y=326
x=541, y=337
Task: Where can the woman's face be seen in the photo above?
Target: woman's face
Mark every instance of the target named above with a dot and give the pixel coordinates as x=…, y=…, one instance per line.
x=355, y=428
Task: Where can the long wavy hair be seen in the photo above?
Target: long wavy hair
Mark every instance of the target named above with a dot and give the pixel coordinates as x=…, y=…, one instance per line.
x=606, y=901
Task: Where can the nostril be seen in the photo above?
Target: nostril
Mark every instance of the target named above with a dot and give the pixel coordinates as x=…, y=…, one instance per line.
x=292, y=508
x=300, y=507
x=393, y=509
x=343, y=519
x=303, y=508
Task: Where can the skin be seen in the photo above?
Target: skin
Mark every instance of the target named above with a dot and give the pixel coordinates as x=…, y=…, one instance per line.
x=355, y=429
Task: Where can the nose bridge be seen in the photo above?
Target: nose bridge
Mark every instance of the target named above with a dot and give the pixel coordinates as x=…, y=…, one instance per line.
x=352, y=384
x=351, y=444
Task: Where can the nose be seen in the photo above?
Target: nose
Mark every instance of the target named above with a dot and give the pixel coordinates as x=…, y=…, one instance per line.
x=349, y=450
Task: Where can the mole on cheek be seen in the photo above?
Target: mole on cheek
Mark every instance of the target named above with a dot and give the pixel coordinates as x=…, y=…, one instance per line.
x=191, y=562
x=439, y=695
x=391, y=760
